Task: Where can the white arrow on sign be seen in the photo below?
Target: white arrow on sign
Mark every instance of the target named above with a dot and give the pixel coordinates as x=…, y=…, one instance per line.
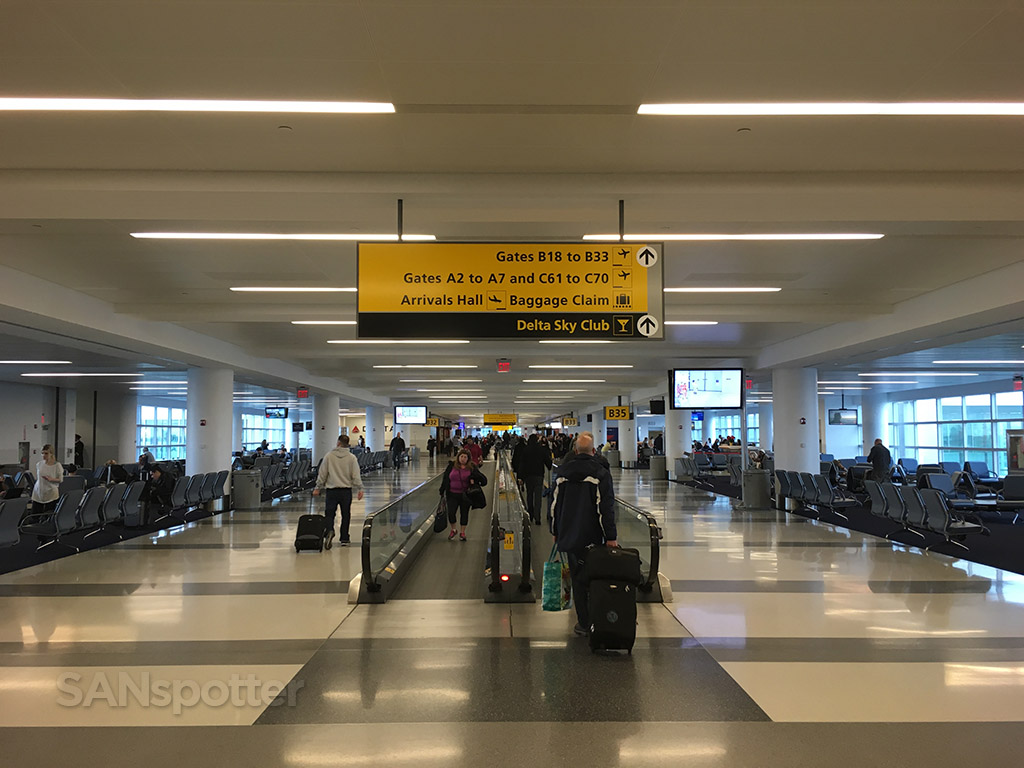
x=647, y=257
x=647, y=325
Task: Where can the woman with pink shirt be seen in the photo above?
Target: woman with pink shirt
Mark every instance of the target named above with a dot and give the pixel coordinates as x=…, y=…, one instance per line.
x=459, y=476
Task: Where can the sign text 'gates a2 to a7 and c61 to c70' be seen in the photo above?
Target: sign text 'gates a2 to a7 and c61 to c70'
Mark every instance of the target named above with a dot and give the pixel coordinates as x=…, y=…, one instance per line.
x=496, y=290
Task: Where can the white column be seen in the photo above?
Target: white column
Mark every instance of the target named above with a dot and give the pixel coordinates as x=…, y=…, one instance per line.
x=64, y=440
x=627, y=439
x=375, y=437
x=874, y=419
x=236, y=427
x=597, y=428
x=822, y=427
x=795, y=395
x=705, y=428
x=325, y=424
x=766, y=429
x=127, y=450
x=677, y=436
x=210, y=420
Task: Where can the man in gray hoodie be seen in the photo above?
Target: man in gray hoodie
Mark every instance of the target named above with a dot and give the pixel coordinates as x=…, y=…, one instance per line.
x=339, y=474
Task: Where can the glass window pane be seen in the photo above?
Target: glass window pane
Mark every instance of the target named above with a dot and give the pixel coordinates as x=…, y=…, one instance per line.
x=952, y=435
x=979, y=434
x=148, y=414
x=906, y=412
x=1009, y=405
x=909, y=435
x=927, y=455
x=985, y=456
x=1002, y=465
x=162, y=416
x=925, y=410
x=951, y=409
x=927, y=434
x=978, y=406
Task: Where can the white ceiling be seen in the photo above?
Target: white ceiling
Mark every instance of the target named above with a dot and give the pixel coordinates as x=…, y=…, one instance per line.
x=514, y=121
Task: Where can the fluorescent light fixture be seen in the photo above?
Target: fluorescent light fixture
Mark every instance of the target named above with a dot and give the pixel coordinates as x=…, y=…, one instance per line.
x=78, y=374
x=281, y=289
x=157, y=389
x=553, y=390
x=844, y=382
x=826, y=393
x=449, y=390
x=323, y=322
x=734, y=289
x=713, y=236
x=837, y=388
x=460, y=397
x=977, y=362
x=580, y=366
x=398, y=341
x=563, y=381
x=838, y=108
x=195, y=105
x=330, y=236
x=919, y=373
x=440, y=381
x=539, y=402
x=691, y=322
x=35, y=362
x=425, y=366
x=576, y=341
x=148, y=381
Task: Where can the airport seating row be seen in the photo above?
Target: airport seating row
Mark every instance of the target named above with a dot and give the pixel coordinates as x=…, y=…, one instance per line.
x=921, y=511
x=96, y=509
x=813, y=493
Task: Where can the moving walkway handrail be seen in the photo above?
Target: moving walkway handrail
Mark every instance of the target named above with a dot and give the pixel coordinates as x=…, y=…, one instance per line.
x=507, y=492
x=370, y=580
x=655, y=533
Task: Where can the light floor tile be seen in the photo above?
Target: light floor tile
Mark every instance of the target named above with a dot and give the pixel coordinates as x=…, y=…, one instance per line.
x=170, y=617
x=30, y=696
x=847, y=615
x=427, y=618
x=919, y=692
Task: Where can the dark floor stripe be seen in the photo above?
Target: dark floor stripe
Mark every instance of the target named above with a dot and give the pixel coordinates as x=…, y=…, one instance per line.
x=160, y=653
x=847, y=544
x=974, y=586
x=189, y=589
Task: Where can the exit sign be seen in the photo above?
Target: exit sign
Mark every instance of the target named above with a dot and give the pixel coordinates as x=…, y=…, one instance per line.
x=302, y=393
x=504, y=365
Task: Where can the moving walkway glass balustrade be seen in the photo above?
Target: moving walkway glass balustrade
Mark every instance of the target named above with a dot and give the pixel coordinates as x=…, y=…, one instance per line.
x=389, y=529
x=638, y=530
x=508, y=560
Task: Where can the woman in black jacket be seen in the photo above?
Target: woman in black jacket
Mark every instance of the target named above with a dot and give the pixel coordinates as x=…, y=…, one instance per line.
x=459, y=476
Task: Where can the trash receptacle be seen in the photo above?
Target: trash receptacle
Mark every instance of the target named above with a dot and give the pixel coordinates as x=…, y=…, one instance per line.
x=246, y=487
x=658, y=468
x=755, y=489
x=613, y=457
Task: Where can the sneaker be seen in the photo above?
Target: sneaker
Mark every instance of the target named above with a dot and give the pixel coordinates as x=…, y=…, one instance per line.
x=328, y=539
x=343, y=543
x=579, y=630
x=462, y=537
x=452, y=536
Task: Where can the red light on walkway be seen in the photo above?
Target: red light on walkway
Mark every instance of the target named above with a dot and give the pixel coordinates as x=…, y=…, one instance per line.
x=504, y=577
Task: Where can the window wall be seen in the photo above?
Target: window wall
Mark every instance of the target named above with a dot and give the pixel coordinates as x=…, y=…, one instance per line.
x=162, y=430
x=967, y=428
x=256, y=428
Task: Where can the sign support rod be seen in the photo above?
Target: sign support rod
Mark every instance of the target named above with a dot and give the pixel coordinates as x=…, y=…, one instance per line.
x=622, y=220
x=400, y=217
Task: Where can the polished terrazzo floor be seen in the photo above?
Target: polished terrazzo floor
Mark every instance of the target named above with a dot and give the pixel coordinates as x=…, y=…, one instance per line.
x=788, y=642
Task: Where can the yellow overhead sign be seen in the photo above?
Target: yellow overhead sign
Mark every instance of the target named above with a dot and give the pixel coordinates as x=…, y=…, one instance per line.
x=500, y=419
x=616, y=413
x=486, y=290
x=570, y=421
x=433, y=421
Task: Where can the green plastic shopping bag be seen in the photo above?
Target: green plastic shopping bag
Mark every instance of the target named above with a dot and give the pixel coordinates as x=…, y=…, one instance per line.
x=556, y=587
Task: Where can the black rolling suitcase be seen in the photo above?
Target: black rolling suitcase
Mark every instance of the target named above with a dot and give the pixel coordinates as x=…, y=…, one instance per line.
x=613, y=575
x=311, y=533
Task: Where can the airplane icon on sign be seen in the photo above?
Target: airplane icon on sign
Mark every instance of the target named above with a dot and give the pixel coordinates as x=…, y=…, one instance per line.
x=623, y=252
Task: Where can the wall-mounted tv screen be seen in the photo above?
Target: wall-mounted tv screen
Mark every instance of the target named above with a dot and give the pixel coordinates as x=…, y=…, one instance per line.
x=843, y=416
x=411, y=414
x=705, y=388
x=297, y=426
x=275, y=413
x=657, y=407
x=309, y=425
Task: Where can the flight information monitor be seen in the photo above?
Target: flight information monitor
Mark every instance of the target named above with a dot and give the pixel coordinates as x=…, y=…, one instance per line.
x=706, y=388
x=411, y=414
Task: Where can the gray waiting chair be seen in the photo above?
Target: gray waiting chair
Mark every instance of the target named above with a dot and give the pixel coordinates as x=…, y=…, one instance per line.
x=940, y=519
x=72, y=483
x=56, y=524
x=11, y=512
x=90, y=513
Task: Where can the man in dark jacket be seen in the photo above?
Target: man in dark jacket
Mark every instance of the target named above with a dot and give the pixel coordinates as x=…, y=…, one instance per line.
x=397, y=448
x=536, y=458
x=881, y=461
x=583, y=515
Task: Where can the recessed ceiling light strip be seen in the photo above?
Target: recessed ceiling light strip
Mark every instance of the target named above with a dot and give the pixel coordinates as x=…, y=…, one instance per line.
x=195, y=105
x=839, y=108
x=309, y=236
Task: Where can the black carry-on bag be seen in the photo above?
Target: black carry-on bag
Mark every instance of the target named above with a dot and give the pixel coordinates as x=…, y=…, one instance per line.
x=613, y=575
x=311, y=533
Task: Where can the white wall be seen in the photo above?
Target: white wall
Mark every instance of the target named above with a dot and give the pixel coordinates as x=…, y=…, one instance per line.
x=841, y=440
x=24, y=410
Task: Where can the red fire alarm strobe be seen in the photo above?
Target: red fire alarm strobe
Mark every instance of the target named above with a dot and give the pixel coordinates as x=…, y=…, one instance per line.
x=1018, y=383
x=202, y=422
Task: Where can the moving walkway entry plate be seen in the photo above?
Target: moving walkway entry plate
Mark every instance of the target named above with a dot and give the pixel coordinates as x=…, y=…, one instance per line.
x=511, y=290
x=510, y=540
